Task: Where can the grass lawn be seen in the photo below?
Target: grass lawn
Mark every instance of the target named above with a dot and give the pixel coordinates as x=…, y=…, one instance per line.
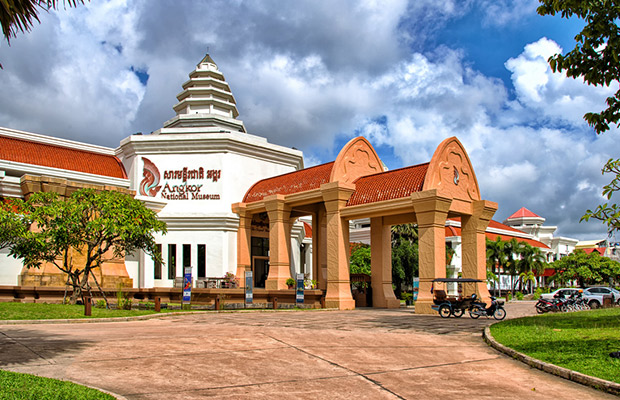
x=60, y=311
x=17, y=386
x=580, y=341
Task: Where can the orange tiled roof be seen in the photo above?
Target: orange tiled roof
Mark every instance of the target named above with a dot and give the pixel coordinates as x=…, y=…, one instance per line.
x=293, y=182
x=388, y=185
x=600, y=250
x=456, y=231
x=307, y=230
x=48, y=155
x=524, y=213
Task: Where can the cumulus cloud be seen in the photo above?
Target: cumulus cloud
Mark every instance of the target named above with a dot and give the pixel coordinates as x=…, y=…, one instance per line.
x=316, y=74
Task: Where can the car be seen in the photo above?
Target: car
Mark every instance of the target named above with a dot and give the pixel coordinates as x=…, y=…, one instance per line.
x=594, y=295
x=566, y=292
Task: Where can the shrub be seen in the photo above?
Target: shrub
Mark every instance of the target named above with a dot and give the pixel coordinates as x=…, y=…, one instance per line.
x=537, y=293
x=519, y=295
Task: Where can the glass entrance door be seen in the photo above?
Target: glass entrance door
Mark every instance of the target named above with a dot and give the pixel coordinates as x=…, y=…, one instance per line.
x=260, y=270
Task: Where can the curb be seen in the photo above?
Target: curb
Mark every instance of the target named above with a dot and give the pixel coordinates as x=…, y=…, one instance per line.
x=143, y=317
x=596, y=383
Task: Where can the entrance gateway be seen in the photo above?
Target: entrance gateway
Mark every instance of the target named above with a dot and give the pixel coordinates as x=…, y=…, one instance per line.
x=355, y=186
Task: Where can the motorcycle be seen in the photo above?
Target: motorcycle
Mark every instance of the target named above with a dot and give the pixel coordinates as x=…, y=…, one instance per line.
x=558, y=304
x=479, y=309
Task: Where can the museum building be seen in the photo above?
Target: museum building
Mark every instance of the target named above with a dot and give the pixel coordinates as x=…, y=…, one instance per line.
x=190, y=171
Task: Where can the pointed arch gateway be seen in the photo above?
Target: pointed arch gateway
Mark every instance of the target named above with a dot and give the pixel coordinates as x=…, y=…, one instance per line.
x=356, y=186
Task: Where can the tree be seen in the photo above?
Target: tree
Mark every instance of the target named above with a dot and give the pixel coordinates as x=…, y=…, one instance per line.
x=19, y=15
x=496, y=259
x=586, y=269
x=92, y=226
x=360, y=259
x=531, y=263
x=596, y=59
x=404, y=255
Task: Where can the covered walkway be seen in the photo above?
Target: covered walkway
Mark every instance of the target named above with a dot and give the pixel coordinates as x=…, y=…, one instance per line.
x=356, y=186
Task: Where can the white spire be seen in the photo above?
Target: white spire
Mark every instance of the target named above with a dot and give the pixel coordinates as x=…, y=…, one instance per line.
x=206, y=101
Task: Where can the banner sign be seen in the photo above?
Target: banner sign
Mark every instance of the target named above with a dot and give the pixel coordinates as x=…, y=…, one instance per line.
x=187, y=285
x=299, y=295
x=416, y=288
x=249, y=283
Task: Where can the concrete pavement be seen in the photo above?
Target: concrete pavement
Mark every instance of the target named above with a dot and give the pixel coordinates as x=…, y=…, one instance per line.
x=366, y=353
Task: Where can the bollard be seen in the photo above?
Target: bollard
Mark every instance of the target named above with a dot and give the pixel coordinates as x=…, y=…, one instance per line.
x=322, y=302
x=217, y=303
x=87, y=306
x=157, y=304
x=275, y=303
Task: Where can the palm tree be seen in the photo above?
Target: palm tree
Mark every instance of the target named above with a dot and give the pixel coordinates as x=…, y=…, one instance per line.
x=496, y=259
x=19, y=15
x=512, y=250
x=531, y=264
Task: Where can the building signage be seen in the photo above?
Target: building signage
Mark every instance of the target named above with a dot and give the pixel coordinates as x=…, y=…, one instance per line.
x=178, y=184
x=187, y=285
x=299, y=295
x=249, y=283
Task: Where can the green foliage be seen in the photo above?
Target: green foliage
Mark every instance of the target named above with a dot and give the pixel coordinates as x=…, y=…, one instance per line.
x=100, y=304
x=360, y=260
x=537, y=293
x=18, y=386
x=519, y=295
x=580, y=341
x=596, y=59
x=97, y=225
x=290, y=282
x=587, y=269
x=595, y=56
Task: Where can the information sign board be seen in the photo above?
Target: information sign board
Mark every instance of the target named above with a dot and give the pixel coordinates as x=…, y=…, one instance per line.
x=299, y=295
x=187, y=285
x=249, y=283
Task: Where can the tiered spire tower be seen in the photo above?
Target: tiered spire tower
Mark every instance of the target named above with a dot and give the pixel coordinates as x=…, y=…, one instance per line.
x=206, y=101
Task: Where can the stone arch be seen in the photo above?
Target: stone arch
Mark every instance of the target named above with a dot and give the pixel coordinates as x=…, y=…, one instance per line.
x=451, y=173
x=356, y=159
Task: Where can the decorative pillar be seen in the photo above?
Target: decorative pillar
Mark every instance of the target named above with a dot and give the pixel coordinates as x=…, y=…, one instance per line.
x=473, y=245
x=338, y=295
x=322, y=255
x=244, y=242
x=279, y=242
x=381, y=265
x=431, y=213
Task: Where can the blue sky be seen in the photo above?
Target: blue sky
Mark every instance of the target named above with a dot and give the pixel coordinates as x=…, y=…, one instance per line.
x=314, y=74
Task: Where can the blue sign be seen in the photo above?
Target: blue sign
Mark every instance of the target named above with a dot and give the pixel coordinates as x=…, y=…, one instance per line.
x=249, y=284
x=416, y=288
x=187, y=285
x=299, y=295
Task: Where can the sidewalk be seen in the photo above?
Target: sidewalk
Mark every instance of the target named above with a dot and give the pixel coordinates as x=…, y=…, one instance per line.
x=367, y=354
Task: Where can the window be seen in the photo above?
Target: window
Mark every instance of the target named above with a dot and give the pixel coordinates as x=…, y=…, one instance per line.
x=202, y=261
x=187, y=255
x=157, y=266
x=260, y=246
x=172, y=261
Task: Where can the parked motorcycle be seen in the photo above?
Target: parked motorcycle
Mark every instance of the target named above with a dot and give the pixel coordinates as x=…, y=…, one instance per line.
x=561, y=304
x=479, y=309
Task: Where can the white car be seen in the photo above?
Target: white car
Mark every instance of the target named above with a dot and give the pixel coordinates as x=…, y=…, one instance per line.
x=566, y=292
x=594, y=295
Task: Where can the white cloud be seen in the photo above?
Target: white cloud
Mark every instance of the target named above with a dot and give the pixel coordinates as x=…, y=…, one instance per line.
x=308, y=75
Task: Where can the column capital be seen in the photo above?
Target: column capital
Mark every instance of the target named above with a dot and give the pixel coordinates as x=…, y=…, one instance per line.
x=430, y=209
x=276, y=205
x=336, y=194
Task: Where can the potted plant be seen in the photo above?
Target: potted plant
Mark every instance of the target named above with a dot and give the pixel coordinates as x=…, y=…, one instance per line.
x=230, y=280
x=290, y=282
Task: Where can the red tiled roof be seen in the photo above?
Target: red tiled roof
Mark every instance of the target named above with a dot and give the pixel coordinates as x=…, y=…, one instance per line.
x=293, y=182
x=388, y=185
x=600, y=250
x=307, y=230
x=524, y=213
x=456, y=231
x=48, y=155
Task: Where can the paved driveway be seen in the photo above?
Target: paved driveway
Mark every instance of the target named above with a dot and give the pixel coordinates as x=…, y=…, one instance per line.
x=363, y=354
